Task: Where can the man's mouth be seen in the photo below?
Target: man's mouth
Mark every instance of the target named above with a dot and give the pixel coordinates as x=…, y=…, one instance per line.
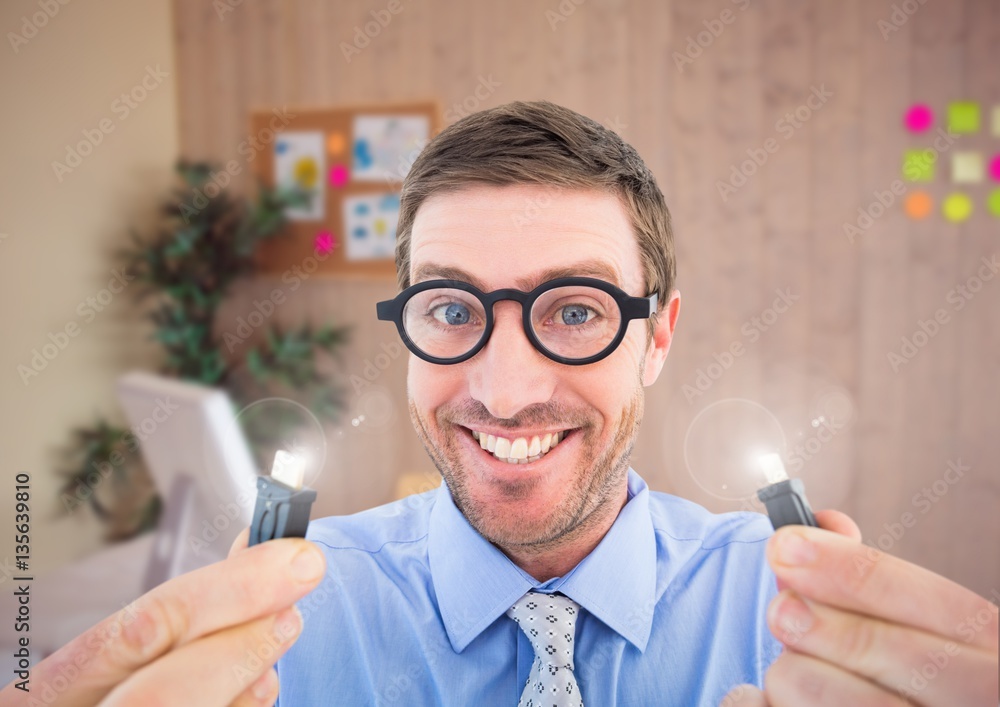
x=519, y=450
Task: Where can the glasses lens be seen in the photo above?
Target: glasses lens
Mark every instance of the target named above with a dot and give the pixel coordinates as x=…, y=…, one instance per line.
x=443, y=322
x=575, y=322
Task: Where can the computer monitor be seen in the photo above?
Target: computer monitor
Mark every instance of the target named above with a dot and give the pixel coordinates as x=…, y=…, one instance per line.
x=200, y=462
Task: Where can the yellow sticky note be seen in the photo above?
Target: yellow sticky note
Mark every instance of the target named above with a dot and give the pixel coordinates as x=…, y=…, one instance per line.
x=957, y=207
x=996, y=121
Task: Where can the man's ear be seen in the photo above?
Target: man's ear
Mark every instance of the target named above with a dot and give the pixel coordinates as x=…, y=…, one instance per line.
x=656, y=352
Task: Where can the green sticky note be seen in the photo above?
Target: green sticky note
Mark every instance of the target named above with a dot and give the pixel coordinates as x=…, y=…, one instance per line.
x=994, y=203
x=918, y=165
x=963, y=117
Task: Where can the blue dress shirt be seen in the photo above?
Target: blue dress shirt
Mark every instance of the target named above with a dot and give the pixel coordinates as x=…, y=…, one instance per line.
x=412, y=610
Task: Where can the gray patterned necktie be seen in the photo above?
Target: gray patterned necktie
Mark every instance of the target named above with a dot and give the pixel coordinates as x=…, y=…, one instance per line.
x=549, y=622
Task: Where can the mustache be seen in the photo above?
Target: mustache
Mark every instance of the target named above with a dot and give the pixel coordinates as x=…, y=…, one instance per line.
x=474, y=414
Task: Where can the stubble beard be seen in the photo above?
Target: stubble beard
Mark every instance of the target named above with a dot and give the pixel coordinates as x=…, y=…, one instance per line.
x=588, y=502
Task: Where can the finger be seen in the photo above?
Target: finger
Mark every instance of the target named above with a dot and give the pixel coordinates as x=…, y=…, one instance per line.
x=838, y=522
x=240, y=543
x=262, y=692
x=744, y=696
x=796, y=679
x=257, y=582
x=215, y=669
x=834, y=570
x=907, y=661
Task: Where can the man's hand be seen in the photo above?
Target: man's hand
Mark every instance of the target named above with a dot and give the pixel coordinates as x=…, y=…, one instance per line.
x=209, y=637
x=861, y=627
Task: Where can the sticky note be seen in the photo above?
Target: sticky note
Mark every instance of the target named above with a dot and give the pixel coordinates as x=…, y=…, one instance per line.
x=918, y=205
x=993, y=203
x=995, y=168
x=963, y=117
x=918, y=118
x=918, y=165
x=338, y=175
x=967, y=167
x=996, y=121
x=957, y=207
x=324, y=242
x=335, y=143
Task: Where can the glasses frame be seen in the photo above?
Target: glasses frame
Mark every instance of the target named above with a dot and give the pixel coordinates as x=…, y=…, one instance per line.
x=631, y=308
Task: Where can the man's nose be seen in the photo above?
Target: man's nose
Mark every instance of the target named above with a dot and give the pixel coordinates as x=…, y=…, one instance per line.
x=509, y=373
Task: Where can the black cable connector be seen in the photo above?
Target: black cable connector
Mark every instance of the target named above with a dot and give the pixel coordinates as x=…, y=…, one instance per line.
x=283, y=504
x=786, y=504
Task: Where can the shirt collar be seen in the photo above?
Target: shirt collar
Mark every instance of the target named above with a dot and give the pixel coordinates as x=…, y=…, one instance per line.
x=476, y=583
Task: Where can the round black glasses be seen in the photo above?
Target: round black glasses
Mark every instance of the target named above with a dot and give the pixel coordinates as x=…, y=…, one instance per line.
x=571, y=320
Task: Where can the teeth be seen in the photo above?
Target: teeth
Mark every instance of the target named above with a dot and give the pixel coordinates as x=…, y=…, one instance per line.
x=521, y=450
x=502, y=449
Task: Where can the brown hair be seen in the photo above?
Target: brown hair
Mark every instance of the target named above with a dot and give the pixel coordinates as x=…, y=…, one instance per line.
x=542, y=143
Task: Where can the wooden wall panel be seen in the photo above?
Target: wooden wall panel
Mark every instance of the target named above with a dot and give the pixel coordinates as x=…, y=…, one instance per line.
x=615, y=61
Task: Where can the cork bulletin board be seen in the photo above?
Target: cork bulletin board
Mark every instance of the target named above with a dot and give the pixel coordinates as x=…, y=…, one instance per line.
x=352, y=159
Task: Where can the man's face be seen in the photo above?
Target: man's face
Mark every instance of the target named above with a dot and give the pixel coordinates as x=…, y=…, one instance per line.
x=499, y=237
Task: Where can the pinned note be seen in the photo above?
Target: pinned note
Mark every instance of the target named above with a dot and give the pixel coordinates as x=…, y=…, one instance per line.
x=918, y=165
x=967, y=167
x=995, y=168
x=324, y=242
x=993, y=204
x=370, y=225
x=386, y=145
x=298, y=162
x=957, y=207
x=918, y=205
x=963, y=117
x=335, y=143
x=918, y=118
x=339, y=175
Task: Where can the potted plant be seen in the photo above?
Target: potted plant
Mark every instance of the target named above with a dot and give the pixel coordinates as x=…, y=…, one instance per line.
x=184, y=271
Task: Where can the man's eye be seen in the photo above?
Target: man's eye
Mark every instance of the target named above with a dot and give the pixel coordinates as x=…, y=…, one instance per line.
x=575, y=314
x=452, y=314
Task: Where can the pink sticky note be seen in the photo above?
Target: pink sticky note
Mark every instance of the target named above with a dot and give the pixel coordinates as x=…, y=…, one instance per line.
x=324, y=242
x=918, y=118
x=995, y=168
x=338, y=175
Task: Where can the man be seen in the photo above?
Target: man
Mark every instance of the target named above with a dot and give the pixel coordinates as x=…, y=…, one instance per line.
x=536, y=267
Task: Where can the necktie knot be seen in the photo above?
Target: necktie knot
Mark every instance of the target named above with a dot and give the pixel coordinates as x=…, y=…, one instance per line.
x=549, y=622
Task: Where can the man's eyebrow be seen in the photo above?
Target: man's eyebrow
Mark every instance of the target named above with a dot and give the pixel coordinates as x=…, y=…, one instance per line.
x=586, y=268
